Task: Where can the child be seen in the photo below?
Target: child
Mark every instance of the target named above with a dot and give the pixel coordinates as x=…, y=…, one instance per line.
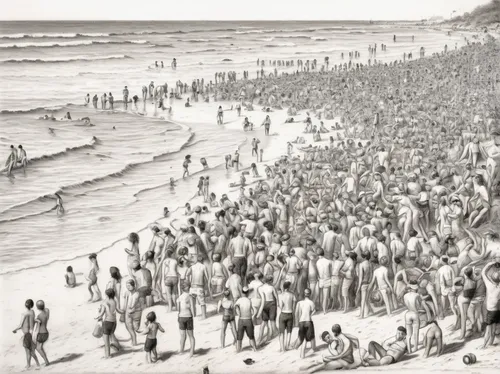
x=151, y=330
x=70, y=277
x=92, y=278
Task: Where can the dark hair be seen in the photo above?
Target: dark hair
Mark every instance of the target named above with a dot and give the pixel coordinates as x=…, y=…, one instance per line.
x=69, y=269
x=29, y=304
x=110, y=293
x=324, y=335
x=336, y=329
x=151, y=317
x=115, y=273
x=287, y=285
x=413, y=233
x=402, y=329
x=134, y=238
x=320, y=252
x=366, y=255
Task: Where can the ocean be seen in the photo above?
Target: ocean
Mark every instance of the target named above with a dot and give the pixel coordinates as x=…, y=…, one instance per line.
x=116, y=181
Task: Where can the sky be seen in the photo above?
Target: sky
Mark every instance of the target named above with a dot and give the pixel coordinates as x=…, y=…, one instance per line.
x=233, y=9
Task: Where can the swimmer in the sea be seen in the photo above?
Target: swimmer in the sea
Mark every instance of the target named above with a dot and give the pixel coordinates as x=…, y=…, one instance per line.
x=67, y=116
x=22, y=157
x=172, y=182
x=174, y=64
x=166, y=212
x=70, y=277
x=59, y=204
x=11, y=160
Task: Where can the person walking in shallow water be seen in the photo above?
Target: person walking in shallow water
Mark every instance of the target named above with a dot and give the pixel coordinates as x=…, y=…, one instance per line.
x=92, y=278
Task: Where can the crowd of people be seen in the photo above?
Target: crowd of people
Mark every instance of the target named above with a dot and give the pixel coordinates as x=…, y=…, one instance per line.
x=401, y=212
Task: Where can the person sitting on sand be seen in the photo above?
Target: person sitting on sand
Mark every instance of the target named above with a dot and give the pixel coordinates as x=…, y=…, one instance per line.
x=70, y=277
x=390, y=352
x=187, y=104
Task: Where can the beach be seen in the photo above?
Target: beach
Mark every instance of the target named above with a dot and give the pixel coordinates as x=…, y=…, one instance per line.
x=114, y=177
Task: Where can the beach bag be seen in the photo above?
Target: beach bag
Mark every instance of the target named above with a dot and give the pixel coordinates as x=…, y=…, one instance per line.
x=97, y=333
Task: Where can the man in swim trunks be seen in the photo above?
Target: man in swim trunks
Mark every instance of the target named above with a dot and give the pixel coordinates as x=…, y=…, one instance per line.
x=246, y=313
x=268, y=310
x=186, y=308
x=390, y=352
x=304, y=311
x=287, y=302
x=27, y=325
x=198, y=276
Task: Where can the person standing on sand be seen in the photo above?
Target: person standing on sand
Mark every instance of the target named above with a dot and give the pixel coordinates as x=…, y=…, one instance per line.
x=41, y=326
x=170, y=278
x=27, y=325
x=95, y=99
x=107, y=313
x=197, y=274
x=133, y=311
x=267, y=125
x=186, y=307
x=268, y=310
x=220, y=116
x=151, y=342
x=115, y=282
x=492, y=283
x=304, y=312
x=227, y=318
x=87, y=100
x=287, y=303
x=132, y=253
x=92, y=279
x=246, y=313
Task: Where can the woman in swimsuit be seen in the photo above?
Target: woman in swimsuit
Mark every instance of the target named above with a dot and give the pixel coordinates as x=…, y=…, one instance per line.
x=92, y=278
x=227, y=317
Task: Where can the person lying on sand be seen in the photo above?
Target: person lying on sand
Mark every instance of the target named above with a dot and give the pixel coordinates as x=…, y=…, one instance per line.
x=390, y=352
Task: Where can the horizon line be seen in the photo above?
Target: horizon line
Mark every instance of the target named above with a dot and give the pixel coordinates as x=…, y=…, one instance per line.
x=217, y=20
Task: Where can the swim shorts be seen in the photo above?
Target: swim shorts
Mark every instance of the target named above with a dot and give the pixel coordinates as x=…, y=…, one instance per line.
x=492, y=317
x=150, y=344
x=269, y=311
x=42, y=337
x=199, y=293
x=325, y=283
x=227, y=318
x=186, y=323
x=306, y=331
x=28, y=341
x=245, y=325
x=108, y=327
x=286, y=322
x=144, y=291
x=171, y=281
